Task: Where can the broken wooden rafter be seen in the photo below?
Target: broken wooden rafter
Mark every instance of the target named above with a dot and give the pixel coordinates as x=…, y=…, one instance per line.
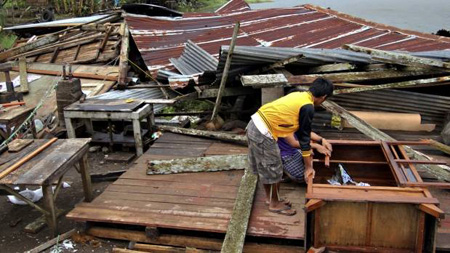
x=398, y=58
x=52, y=242
x=336, y=67
x=23, y=75
x=224, y=78
x=60, y=45
x=279, y=80
x=197, y=164
x=281, y=63
x=27, y=47
x=123, y=61
x=442, y=147
x=235, y=138
x=237, y=228
x=444, y=80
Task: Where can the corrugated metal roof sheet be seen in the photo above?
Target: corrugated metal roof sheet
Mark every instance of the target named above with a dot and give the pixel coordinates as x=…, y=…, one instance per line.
x=159, y=39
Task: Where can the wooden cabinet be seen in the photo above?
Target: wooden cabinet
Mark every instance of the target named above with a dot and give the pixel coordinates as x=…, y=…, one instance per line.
x=388, y=215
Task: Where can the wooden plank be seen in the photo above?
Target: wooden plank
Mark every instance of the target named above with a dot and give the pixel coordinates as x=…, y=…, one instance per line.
x=399, y=221
x=107, y=105
x=19, y=144
x=87, y=212
x=23, y=75
x=342, y=223
x=52, y=242
x=47, y=168
x=159, y=248
x=123, y=62
x=313, y=204
x=224, y=77
x=187, y=241
x=28, y=46
x=199, y=164
x=237, y=227
x=238, y=139
x=38, y=224
x=432, y=210
x=397, y=58
x=27, y=158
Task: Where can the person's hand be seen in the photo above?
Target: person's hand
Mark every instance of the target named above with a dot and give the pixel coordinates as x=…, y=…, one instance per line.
x=327, y=145
x=323, y=150
x=309, y=173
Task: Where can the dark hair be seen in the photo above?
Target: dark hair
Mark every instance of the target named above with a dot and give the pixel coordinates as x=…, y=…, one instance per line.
x=321, y=87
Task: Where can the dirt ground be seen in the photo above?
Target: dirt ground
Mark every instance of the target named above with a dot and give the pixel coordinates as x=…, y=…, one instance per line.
x=14, y=218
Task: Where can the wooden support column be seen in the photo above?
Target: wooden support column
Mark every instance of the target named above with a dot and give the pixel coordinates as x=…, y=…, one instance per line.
x=237, y=228
x=223, y=81
x=23, y=75
x=86, y=178
x=123, y=62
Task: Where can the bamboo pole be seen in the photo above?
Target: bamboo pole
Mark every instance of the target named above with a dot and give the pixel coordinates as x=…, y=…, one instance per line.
x=26, y=158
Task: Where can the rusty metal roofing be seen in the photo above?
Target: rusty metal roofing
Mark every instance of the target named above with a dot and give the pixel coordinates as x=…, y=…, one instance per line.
x=233, y=6
x=306, y=26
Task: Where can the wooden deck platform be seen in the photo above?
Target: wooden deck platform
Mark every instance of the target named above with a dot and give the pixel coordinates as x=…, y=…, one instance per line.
x=189, y=201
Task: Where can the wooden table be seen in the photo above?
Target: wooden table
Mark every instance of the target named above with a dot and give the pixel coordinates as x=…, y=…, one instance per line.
x=110, y=109
x=45, y=169
x=14, y=117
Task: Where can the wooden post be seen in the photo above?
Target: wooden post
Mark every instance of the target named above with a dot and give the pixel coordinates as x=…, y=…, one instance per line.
x=223, y=81
x=23, y=75
x=69, y=127
x=50, y=207
x=86, y=178
x=123, y=62
x=237, y=228
x=137, y=132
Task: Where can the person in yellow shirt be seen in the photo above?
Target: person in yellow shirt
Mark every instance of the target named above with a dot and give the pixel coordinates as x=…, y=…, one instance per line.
x=291, y=114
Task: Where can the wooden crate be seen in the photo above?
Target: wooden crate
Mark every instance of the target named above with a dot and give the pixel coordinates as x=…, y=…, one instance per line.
x=379, y=218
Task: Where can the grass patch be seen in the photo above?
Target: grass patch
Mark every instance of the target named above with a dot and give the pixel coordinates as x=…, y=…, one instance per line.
x=258, y=1
x=208, y=5
x=7, y=40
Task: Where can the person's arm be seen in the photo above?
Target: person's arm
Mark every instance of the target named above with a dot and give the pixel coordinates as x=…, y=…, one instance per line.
x=292, y=141
x=322, y=141
x=303, y=135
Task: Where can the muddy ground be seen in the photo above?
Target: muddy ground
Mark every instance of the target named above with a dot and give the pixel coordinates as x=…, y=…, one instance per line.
x=14, y=218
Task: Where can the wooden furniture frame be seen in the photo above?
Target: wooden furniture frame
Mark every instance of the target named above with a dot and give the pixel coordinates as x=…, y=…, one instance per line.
x=14, y=117
x=108, y=110
x=45, y=169
x=396, y=213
